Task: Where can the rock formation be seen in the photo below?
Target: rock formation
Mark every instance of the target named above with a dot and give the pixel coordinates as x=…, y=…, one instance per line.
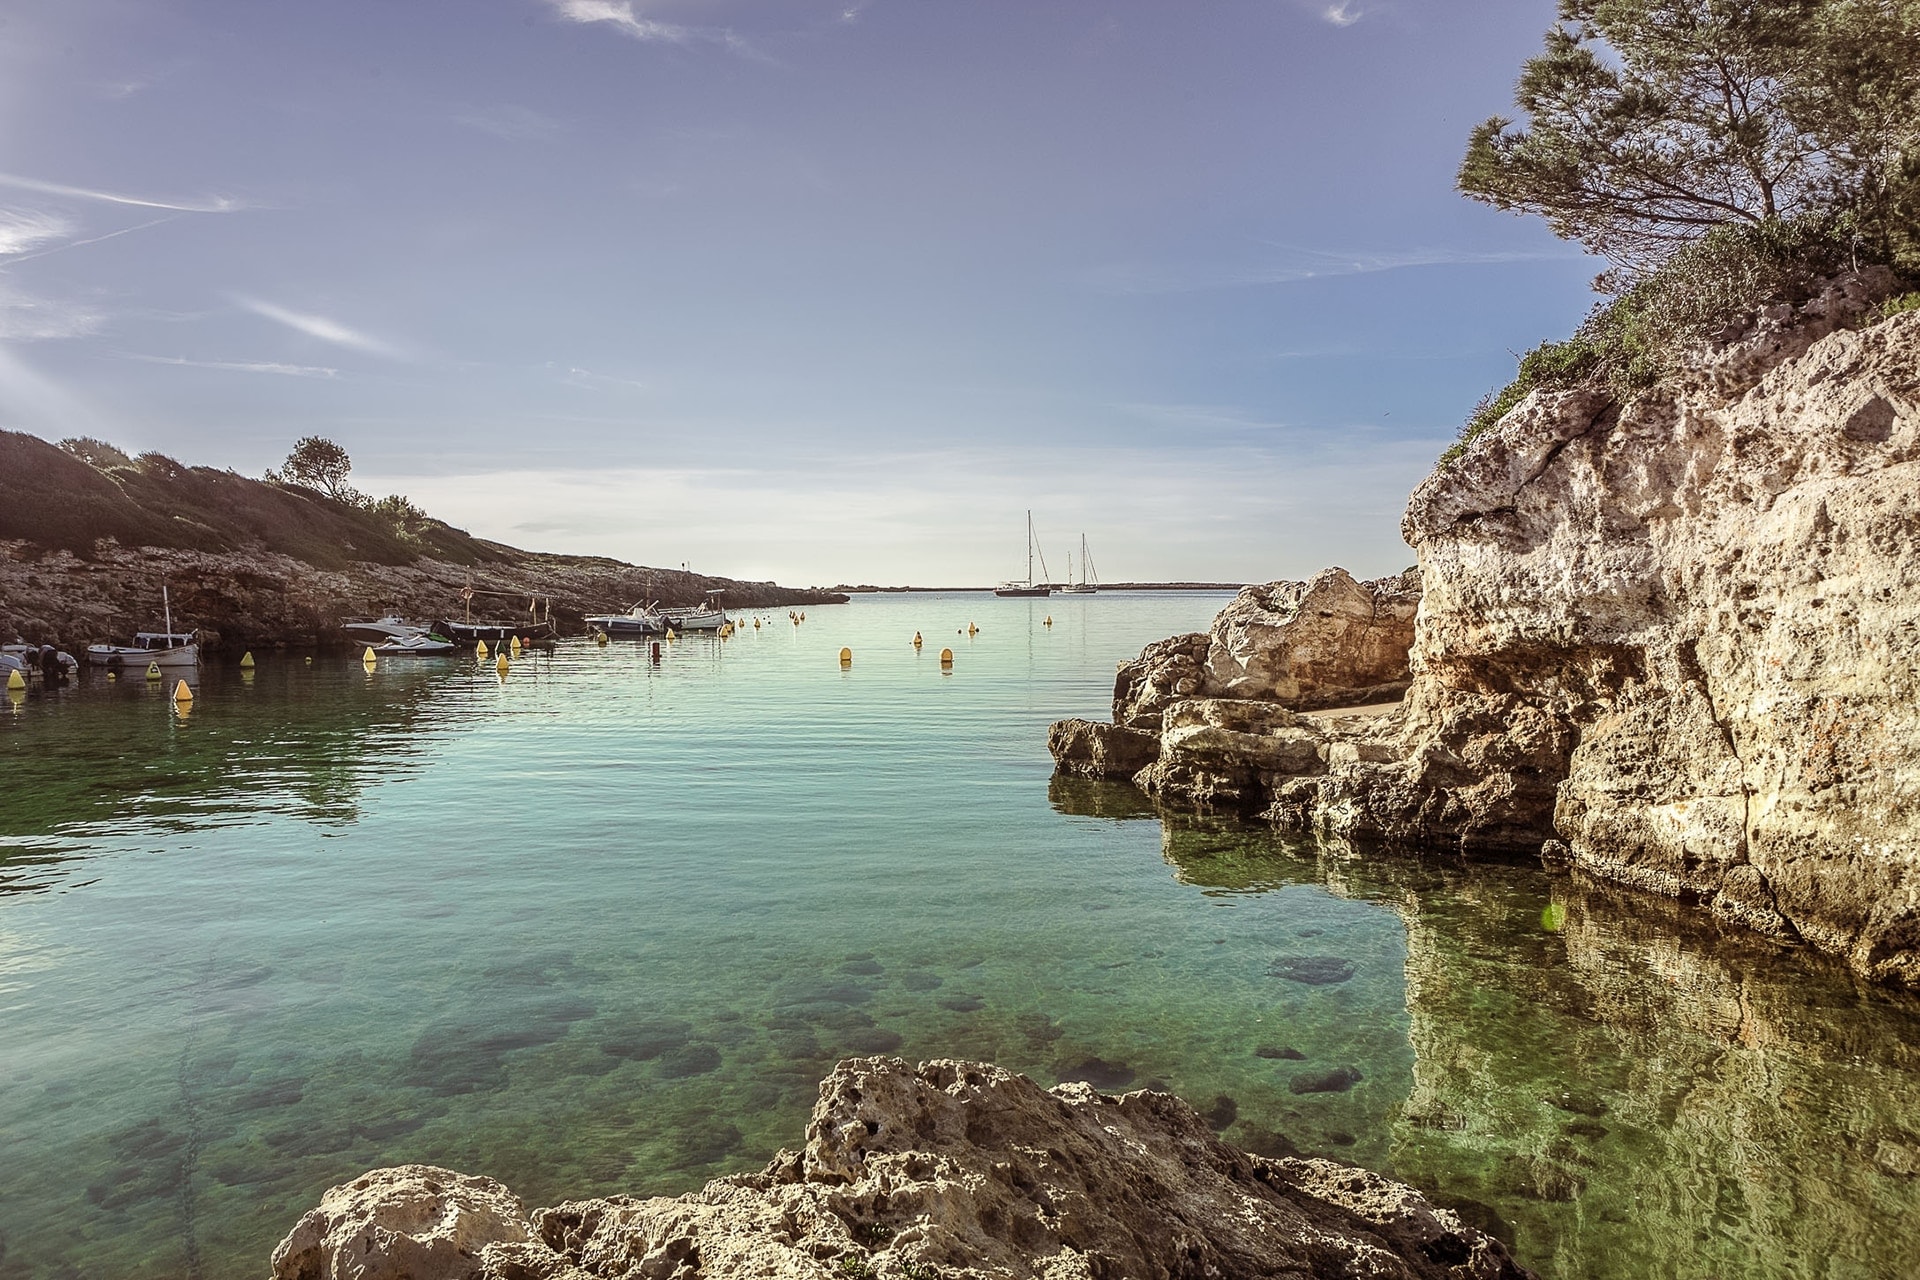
x=950, y=1169
x=1672, y=639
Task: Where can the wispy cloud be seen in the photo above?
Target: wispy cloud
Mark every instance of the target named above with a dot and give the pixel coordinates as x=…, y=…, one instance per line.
x=239, y=366
x=509, y=122
x=624, y=17
x=578, y=377
x=217, y=204
x=26, y=318
x=1342, y=13
x=324, y=329
x=22, y=230
x=1287, y=264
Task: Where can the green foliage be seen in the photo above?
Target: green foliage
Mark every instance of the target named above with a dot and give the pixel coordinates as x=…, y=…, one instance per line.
x=854, y=1267
x=1651, y=122
x=97, y=454
x=1709, y=289
x=1897, y=305
x=919, y=1271
x=407, y=520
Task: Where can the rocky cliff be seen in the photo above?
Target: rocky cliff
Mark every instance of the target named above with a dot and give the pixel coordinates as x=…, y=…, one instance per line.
x=1673, y=639
x=950, y=1169
x=84, y=549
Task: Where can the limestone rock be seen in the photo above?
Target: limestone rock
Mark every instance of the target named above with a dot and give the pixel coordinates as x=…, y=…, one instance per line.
x=413, y=1222
x=1329, y=641
x=968, y=1171
x=1224, y=753
x=1089, y=749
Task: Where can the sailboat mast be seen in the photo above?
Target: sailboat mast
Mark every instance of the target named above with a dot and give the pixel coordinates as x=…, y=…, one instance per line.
x=1029, y=546
x=166, y=603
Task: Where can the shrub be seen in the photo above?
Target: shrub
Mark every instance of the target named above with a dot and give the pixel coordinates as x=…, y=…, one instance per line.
x=1710, y=289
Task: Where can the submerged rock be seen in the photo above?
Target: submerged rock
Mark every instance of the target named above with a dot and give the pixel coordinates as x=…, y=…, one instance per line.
x=961, y=1168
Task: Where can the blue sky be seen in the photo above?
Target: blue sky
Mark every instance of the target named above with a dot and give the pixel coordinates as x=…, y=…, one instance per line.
x=822, y=292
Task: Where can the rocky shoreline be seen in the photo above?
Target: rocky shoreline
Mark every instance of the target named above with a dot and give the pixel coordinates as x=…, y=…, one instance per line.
x=952, y=1169
x=1671, y=641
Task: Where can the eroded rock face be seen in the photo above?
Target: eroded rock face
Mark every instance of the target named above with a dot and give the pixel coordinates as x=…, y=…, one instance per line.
x=1707, y=606
x=961, y=1168
x=1677, y=637
x=414, y=1222
x=1327, y=642
x=1090, y=749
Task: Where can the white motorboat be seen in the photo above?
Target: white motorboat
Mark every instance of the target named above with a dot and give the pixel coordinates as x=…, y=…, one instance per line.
x=31, y=660
x=421, y=645
x=710, y=616
x=167, y=648
x=382, y=630
x=641, y=620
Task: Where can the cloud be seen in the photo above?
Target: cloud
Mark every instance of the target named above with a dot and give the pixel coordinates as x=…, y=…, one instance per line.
x=218, y=204
x=621, y=15
x=25, y=318
x=509, y=122
x=240, y=366
x=21, y=231
x=1288, y=264
x=324, y=329
x=1342, y=13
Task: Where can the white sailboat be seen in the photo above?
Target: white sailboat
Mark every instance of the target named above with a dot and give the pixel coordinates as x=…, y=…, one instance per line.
x=1089, y=580
x=167, y=648
x=1028, y=587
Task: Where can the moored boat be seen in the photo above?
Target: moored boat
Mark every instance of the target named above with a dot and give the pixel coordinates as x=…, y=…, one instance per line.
x=167, y=648
x=1089, y=580
x=36, y=660
x=382, y=630
x=495, y=633
x=1028, y=587
x=423, y=645
x=640, y=620
x=709, y=616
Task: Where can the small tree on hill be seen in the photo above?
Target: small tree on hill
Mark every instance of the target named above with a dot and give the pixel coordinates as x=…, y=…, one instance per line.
x=318, y=463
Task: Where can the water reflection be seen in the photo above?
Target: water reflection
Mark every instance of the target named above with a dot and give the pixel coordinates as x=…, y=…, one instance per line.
x=1612, y=1082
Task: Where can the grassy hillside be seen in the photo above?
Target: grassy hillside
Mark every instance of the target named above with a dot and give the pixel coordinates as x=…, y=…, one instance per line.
x=53, y=499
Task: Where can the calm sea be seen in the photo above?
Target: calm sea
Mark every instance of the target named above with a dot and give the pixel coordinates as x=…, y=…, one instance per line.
x=601, y=925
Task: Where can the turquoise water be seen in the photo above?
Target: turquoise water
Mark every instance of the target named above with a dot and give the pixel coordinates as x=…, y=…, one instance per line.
x=602, y=925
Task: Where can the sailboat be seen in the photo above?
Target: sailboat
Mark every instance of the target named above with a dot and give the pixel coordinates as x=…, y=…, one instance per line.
x=159, y=648
x=1089, y=580
x=1028, y=587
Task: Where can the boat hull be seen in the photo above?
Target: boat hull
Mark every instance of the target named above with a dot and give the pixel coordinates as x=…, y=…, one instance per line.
x=624, y=624
x=418, y=647
x=494, y=633
x=383, y=631
x=1079, y=591
x=117, y=655
x=1023, y=591
x=701, y=621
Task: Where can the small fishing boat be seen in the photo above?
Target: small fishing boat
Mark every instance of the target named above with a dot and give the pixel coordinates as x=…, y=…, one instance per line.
x=423, y=645
x=641, y=620
x=1089, y=580
x=1028, y=587
x=710, y=616
x=381, y=630
x=167, y=648
x=495, y=633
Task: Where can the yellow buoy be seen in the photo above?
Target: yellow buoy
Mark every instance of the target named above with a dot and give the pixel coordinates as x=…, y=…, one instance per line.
x=600, y=638
x=502, y=664
x=846, y=657
x=113, y=675
x=671, y=635
x=309, y=659
x=1049, y=619
x=515, y=646
x=246, y=660
x=181, y=693
x=916, y=640
x=153, y=671
x=480, y=650
x=756, y=624
x=946, y=657
x=15, y=680
x=369, y=655
x=972, y=629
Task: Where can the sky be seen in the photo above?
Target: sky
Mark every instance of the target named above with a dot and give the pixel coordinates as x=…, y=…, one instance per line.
x=818, y=292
